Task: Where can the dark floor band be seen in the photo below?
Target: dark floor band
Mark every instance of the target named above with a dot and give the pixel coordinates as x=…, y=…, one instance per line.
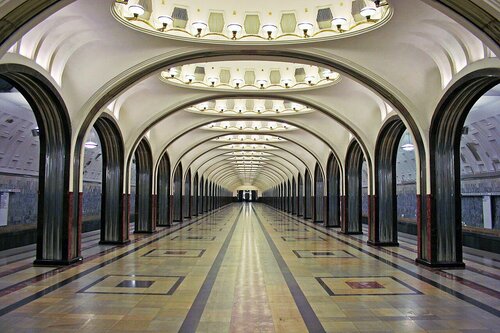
x=308, y=315
x=192, y=320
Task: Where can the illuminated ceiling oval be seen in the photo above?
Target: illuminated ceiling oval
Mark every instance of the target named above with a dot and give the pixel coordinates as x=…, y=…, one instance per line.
x=249, y=138
x=252, y=22
x=252, y=126
x=249, y=107
x=256, y=75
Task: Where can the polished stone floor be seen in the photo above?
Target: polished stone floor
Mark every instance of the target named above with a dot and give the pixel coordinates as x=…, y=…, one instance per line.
x=248, y=268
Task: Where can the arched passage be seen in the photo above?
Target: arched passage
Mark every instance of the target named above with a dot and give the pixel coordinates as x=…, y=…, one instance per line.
x=187, y=195
x=57, y=231
x=351, y=223
x=318, y=194
x=308, y=204
x=383, y=230
x=300, y=196
x=144, y=181
x=444, y=227
x=163, y=191
x=290, y=197
x=293, y=195
x=177, y=194
x=194, y=204
x=114, y=226
x=333, y=193
x=201, y=198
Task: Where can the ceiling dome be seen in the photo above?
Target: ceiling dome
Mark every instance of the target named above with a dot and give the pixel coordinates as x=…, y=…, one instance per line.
x=253, y=22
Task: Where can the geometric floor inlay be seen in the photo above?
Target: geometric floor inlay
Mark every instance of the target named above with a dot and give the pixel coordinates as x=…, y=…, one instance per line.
x=194, y=238
x=134, y=285
x=366, y=285
x=185, y=253
x=302, y=238
x=322, y=254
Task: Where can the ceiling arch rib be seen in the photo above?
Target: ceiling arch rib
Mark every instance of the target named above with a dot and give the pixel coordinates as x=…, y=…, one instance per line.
x=306, y=158
x=211, y=155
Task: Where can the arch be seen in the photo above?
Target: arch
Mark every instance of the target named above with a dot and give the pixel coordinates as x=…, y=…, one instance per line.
x=144, y=222
x=114, y=226
x=163, y=192
x=300, y=196
x=206, y=196
x=319, y=199
x=177, y=203
x=308, y=205
x=58, y=240
x=333, y=207
x=201, y=198
x=289, y=196
x=351, y=223
x=444, y=229
x=194, y=205
x=383, y=230
x=187, y=195
x=293, y=191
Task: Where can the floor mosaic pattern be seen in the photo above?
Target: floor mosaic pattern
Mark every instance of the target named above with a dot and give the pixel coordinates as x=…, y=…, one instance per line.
x=248, y=268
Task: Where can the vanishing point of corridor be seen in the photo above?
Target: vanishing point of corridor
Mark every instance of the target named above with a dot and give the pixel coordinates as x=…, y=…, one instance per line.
x=248, y=268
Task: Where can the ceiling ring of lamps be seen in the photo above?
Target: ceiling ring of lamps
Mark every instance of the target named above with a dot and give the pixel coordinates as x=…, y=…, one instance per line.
x=158, y=23
x=249, y=75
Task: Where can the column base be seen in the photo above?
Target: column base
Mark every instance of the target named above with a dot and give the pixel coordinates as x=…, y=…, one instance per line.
x=114, y=242
x=332, y=226
x=352, y=232
x=319, y=221
x=447, y=265
x=383, y=243
x=45, y=263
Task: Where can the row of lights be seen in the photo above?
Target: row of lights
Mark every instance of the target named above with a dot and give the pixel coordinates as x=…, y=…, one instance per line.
x=262, y=83
x=269, y=29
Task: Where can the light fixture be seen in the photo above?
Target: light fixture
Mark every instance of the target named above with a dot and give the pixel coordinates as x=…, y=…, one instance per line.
x=338, y=22
x=172, y=72
x=189, y=77
x=136, y=10
x=305, y=27
x=199, y=26
x=90, y=144
x=269, y=29
x=238, y=82
x=287, y=82
x=234, y=28
x=165, y=21
x=261, y=83
x=213, y=81
x=309, y=79
x=408, y=145
x=368, y=12
x=327, y=73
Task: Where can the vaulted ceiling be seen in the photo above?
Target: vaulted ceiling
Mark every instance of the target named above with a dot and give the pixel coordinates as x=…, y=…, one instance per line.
x=257, y=109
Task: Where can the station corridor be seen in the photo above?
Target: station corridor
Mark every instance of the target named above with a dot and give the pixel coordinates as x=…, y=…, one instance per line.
x=248, y=268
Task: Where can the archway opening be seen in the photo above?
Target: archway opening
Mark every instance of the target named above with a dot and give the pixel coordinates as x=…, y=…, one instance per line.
x=355, y=198
x=143, y=194
x=318, y=195
x=333, y=193
x=187, y=195
x=308, y=204
x=19, y=175
x=300, y=196
x=177, y=194
x=480, y=173
x=444, y=248
x=163, y=191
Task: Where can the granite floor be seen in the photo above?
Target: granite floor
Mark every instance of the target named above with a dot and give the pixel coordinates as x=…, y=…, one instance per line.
x=248, y=268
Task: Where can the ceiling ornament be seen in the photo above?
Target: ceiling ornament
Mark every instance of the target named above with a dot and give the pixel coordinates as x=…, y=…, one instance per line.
x=252, y=22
